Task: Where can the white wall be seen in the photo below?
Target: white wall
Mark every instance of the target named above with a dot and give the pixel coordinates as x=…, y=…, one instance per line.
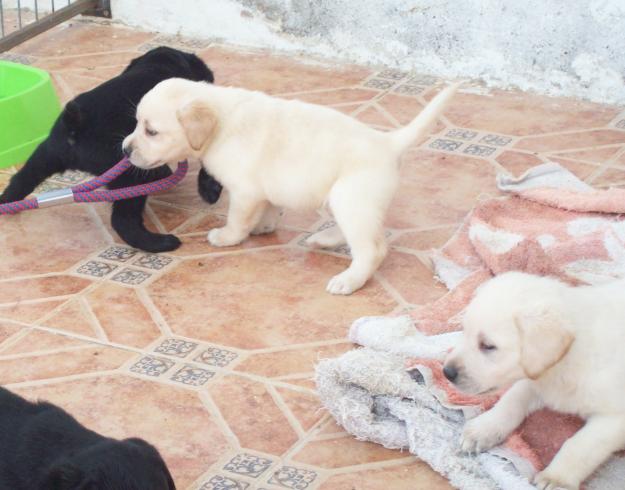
x=570, y=47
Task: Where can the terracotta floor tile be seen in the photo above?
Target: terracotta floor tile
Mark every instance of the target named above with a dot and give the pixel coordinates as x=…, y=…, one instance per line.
x=28, y=312
x=198, y=244
x=518, y=163
x=597, y=156
x=7, y=330
x=413, y=280
x=581, y=170
x=520, y=113
x=259, y=70
x=78, y=84
x=609, y=176
x=301, y=220
x=570, y=141
x=123, y=317
x=76, y=38
x=306, y=408
x=425, y=240
x=178, y=425
x=344, y=451
x=413, y=476
x=374, y=117
x=121, y=59
x=438, y=188
x=290, y=361
x=405, y=109
x=71, y=233
x=72, y=318
x=40, y=340
x=252, y=414
x=262, y=299
x=45, y=366
x=169, y=216
x=42, y=287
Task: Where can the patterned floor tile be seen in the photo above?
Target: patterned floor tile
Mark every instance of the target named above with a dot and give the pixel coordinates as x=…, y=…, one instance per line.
x=176, y=347
x=463, y=134
x=96, y=269
x=152, y=366
x=219, y=482
x=444, y=144
x=192, y=376
x=118, y=254
x=130, y=276
x=216, y=357
x=495, y=139
x=379, y=83
x=290, y=477
x=479, y=150
x=153, y=261
x=248, y=465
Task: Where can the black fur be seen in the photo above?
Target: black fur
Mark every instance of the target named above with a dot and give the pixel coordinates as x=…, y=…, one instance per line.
x=42, y=447
x=88, y=134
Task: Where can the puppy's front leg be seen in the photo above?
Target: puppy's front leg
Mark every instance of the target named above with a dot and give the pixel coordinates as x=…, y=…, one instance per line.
x=584, y=453
x=244, y=214
x=492, y=427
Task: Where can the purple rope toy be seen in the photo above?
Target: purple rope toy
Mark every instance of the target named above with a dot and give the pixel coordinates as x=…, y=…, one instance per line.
x=86, y=192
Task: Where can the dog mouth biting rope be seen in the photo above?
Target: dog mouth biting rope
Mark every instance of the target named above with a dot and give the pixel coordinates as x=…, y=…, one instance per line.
x=86, y=192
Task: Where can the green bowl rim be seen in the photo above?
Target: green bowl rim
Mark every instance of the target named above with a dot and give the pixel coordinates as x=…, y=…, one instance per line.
x=44, y=78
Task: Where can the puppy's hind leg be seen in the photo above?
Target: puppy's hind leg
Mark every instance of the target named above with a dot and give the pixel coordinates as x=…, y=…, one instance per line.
x=244, y=214
x=359, y=212
x=268, y=221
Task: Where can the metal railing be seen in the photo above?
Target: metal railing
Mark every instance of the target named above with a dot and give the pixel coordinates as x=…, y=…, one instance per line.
x=24, y=19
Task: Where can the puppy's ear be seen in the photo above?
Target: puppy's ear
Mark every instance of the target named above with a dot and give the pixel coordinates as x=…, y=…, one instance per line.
x=72, y=115
x=198, y=121
x=156, y=458
x=544, y=340
x=64, y=476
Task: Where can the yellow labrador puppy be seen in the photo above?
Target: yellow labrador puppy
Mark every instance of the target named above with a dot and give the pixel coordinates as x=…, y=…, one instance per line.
x=271, y=153
x=556, y=346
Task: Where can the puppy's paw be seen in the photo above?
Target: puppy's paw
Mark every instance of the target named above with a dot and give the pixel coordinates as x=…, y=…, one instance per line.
x=480, y=434
x=550, y=480
x=343, y=283
x=222, y=237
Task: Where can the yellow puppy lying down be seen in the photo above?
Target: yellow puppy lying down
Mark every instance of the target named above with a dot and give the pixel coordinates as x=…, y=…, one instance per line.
x=271, y=153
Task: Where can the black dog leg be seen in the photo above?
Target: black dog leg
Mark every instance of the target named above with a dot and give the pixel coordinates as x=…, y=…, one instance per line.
x=41, y=165
x=127, y=221
x=208, y=188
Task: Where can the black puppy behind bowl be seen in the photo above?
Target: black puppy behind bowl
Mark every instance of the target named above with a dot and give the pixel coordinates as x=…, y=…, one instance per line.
x=88, y=134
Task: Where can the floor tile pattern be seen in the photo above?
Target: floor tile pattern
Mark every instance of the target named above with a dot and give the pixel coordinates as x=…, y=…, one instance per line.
x=209, y=353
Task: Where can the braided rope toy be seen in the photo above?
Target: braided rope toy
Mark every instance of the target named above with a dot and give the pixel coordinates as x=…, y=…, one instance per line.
x=86, y=192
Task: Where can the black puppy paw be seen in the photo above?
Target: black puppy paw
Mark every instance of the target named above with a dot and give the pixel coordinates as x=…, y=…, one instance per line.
x=208, y=188
x=160, y=243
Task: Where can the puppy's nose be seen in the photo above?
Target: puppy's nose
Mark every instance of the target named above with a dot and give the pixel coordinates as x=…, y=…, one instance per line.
x=127, y=150
x=450, y=372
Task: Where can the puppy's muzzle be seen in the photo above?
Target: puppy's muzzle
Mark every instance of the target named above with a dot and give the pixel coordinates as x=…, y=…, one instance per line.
x=127, y=150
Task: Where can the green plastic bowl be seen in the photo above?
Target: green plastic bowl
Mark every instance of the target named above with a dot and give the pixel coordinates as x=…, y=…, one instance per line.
x=28, y=108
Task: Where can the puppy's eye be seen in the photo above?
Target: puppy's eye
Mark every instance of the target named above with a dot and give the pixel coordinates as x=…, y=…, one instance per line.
x=486, y=347
x=150, y=132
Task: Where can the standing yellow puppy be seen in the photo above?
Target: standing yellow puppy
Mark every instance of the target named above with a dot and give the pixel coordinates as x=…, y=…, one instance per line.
x=271, y=153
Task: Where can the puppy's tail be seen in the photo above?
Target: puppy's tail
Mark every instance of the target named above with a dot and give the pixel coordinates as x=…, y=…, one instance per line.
x=404, y=137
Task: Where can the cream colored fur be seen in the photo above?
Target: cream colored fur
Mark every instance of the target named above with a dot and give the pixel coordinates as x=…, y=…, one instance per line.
x=556, y=346
x=271, y=153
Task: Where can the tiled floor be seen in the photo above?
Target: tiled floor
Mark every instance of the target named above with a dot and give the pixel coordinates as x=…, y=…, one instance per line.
x=209, y=353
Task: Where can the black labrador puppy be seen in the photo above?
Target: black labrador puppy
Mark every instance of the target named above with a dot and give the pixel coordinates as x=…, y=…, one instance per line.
x=88, y=134
x=42, y=447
